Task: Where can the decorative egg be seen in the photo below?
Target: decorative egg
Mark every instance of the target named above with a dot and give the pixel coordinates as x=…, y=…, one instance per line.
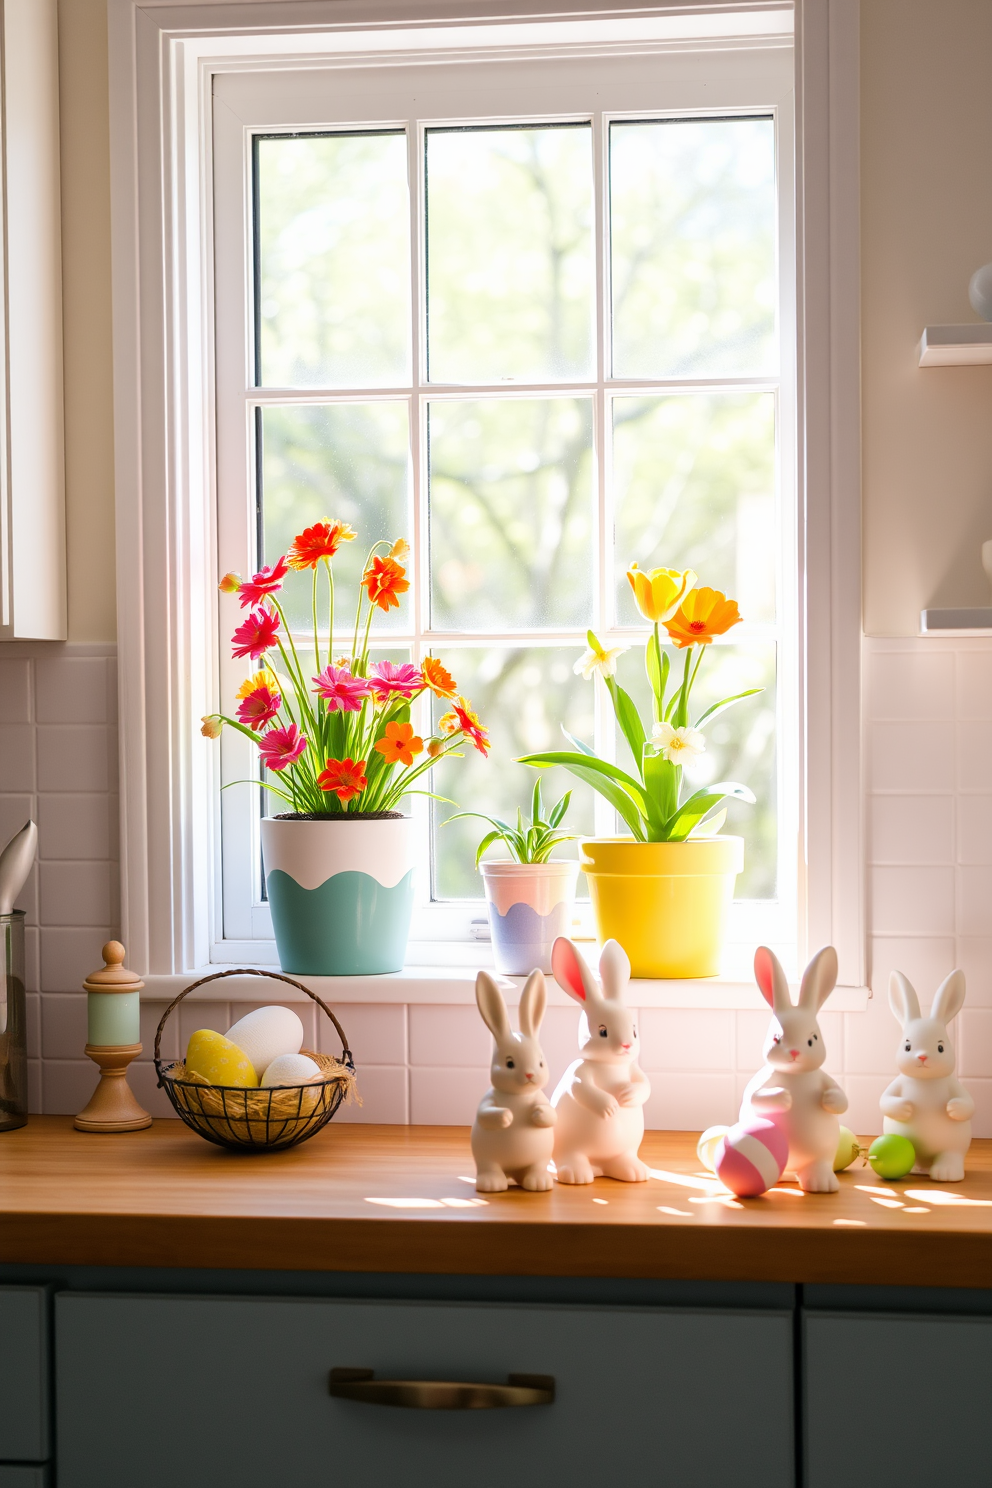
x=751, y=1157
x=290, y=1069
x=848, y=1148
x=707, y=1145
x=219, y=1060
x=892, y=1156
x=266, y=1033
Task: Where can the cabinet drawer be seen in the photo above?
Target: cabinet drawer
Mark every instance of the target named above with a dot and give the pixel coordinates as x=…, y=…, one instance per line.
x=897, y=1402
x=232, y=1390
x=22, y=1475
x=23, y=1374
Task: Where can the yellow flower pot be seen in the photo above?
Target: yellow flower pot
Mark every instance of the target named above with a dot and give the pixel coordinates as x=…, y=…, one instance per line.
x=665, y=902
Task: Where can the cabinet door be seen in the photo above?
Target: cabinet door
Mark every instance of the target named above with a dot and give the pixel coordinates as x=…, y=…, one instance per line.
x=897, y=1401
x=235, y=1391
x=23, y=1374
x=20, y=1475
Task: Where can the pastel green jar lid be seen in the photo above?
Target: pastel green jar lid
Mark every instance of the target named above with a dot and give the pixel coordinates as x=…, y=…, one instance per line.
x=700, y=858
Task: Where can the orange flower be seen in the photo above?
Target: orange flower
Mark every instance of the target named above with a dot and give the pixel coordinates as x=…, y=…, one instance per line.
x=438, y=679
x=434, y=747
x=322, y=540
x=384, y=580
x=703, y=614
x=211, y=725
x=344, y=777
x=400, y=744
x=230, y=583
x=468, y=722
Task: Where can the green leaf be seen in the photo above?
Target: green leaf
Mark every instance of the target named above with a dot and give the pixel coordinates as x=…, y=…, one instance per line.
x=485, y=844
x=727, y=703
x=692, y=811
x=535, y=802
x=558, y=812
x=630, y=721
x=633, y=787
x=710, y=825
x=583, y=748
x=661, y=779
x=588, y=769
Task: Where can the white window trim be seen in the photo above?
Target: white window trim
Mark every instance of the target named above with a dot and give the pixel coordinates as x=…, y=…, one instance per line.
x=161, y=60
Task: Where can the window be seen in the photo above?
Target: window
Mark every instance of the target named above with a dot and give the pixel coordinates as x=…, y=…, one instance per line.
x=541, y=327
x=187, y=95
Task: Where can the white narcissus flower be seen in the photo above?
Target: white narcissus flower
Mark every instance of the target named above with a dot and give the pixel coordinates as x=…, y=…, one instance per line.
x=680, y=746
x=598, y=659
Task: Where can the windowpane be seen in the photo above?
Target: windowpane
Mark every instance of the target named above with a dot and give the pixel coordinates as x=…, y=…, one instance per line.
x=694, y=477
x=523, y=696
x=740, y=745
x=512, y=521
x=510, y=254
x=348, y=461
x=692, y=217
x=334, y=269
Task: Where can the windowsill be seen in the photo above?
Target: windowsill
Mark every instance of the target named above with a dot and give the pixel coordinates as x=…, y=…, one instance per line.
x=454, y=985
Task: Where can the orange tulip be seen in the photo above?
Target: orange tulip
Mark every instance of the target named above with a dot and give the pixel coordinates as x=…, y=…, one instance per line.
x=703, y=614
x=658, y=592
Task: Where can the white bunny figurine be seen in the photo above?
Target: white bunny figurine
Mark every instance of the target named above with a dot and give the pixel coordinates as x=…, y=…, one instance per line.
x=927, y=1102
x=792, y=1088
x=600, y=1098
x=513, y=1136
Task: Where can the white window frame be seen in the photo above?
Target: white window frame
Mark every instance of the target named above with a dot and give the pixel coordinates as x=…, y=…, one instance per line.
x=740, y=82
x=162, y=62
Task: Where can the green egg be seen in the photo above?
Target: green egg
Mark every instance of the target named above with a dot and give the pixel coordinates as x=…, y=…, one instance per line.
x=847, y=1150
x=892, y=1156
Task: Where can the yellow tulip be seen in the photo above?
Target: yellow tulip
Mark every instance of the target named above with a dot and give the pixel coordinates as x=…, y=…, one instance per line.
x=658, y=592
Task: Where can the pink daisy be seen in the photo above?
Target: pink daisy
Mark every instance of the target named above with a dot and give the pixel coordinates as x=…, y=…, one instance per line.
x=266, y=581
x=259, y=707
x=341, y=691
x=389, y=681
x=282, y=747
x=256, y=635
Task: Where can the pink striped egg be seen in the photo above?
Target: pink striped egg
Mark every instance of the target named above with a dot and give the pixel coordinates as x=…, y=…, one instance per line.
x=751, y=1157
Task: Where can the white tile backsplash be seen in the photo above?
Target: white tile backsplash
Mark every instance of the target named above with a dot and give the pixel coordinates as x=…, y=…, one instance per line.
x=928, y=721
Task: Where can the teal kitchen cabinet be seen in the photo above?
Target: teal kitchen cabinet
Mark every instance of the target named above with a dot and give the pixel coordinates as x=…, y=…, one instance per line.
x=234, y=1390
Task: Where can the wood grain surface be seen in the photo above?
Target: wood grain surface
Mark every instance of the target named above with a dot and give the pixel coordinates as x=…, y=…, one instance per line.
x=401, y=1199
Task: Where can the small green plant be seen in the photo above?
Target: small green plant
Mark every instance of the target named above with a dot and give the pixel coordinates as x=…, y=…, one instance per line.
x=528, y=842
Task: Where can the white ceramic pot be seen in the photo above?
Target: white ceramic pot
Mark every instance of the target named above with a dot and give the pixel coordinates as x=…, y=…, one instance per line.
x=530, y=905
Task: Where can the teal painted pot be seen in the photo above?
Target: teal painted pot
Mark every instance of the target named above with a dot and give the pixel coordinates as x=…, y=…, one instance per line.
x=340, y=893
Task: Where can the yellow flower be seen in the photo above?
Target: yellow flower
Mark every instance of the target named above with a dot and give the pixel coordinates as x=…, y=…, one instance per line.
x=264, y=678
x=211, y=725
x=230, y=583
x=703, y=614
x=658, y=592
x=400, y=550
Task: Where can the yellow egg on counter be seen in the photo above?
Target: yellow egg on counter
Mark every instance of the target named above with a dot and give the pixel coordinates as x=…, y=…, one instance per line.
x=848, y=1148
x=218, y=1060
x=707, y=1145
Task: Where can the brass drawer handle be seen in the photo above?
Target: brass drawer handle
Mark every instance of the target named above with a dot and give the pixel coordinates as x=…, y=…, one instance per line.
x=520, y=1389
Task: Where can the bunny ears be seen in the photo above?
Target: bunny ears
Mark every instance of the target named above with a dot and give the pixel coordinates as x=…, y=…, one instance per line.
x=819, y=979
x=573, y=975
x=947, y=1002
x=533, y=1000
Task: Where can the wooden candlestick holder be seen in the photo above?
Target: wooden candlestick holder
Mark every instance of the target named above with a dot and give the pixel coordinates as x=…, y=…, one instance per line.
x=112, y=1106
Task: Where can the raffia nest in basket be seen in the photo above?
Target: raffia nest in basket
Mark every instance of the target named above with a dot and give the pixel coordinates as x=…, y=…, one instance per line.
x=264, y=1115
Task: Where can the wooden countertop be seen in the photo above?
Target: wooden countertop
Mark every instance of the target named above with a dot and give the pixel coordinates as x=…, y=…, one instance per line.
x=394, y=1198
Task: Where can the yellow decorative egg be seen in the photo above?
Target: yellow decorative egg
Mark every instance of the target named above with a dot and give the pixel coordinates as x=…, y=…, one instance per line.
x=707, y=1145
x=218, y=1060
x=847, y=1150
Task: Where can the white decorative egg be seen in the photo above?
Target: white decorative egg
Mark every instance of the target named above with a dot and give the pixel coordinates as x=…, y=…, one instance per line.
x=265, y=1034
x=291, y=1069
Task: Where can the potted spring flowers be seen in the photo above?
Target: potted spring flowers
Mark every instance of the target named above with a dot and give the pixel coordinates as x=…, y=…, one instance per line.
x=664, y=891
x=336, y=741
x=529, y=897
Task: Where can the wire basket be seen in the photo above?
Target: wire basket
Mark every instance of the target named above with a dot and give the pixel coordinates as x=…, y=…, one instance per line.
x=266, y=1119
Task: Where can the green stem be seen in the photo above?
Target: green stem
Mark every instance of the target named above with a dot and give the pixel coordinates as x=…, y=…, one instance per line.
x=330, y=619
x=313, y=607
x=681, y=713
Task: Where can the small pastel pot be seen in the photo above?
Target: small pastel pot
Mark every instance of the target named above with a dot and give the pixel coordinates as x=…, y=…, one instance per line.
x=340, y=892
x=665, y=902
x=530, y=905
